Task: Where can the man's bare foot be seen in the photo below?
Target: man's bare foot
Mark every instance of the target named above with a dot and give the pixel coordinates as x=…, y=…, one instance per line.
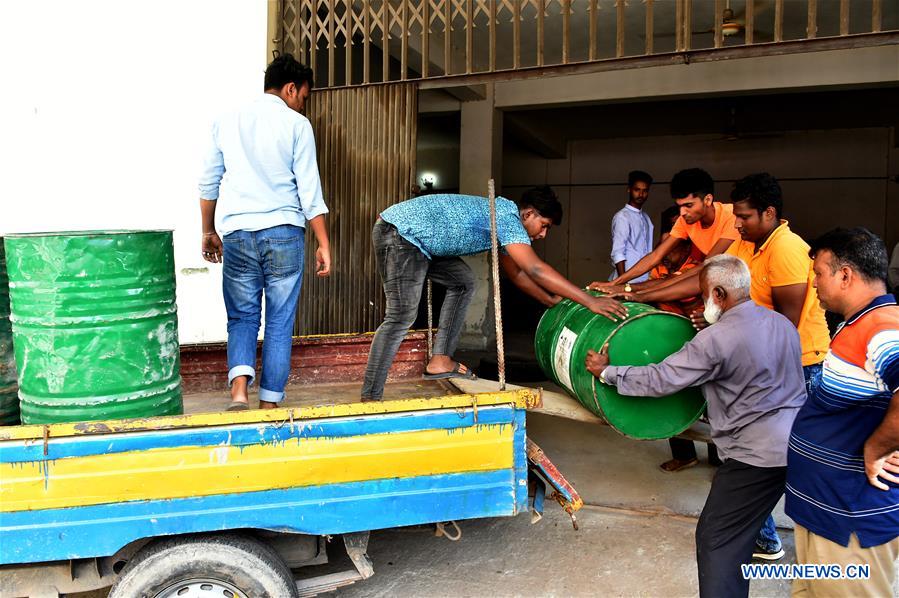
x=268, y=405
x=444, y=366
x=675, y=465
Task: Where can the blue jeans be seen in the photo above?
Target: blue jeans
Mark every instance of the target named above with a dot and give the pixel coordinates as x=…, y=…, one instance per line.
x=768, y=538
x=812, y=375
x=269, y=262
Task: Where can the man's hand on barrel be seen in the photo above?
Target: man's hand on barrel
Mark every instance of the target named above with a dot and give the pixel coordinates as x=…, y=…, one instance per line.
x=596, y=362
x=605, y=287
x=212, y=247
x=622, y=296
x=607, y=307
x=698, y=320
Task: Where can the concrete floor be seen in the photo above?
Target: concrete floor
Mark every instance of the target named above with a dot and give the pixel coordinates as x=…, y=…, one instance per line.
x=614, y=553
x=635, y=537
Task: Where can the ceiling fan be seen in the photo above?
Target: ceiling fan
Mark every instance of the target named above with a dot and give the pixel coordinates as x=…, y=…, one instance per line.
x=732, y=23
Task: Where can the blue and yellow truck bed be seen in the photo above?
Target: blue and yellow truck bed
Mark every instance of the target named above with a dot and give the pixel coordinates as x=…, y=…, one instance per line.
x=90, y=490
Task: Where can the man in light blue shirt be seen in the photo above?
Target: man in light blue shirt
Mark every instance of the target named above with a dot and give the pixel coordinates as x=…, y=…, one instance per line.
x=260, y=188
x=423, y=238
x=632, y=227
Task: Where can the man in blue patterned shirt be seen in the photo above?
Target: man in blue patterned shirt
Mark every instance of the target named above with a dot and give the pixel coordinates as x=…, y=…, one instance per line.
x=424, y=238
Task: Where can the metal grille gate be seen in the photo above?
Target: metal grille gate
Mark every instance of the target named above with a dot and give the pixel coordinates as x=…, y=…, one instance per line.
x=365, y=138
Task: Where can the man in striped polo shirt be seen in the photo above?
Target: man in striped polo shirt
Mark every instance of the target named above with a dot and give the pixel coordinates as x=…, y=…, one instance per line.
x=842, y=490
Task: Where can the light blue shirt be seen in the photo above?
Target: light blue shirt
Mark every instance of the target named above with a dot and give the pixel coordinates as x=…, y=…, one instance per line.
x=444, y=225
x=263, y=158
x=631, y=238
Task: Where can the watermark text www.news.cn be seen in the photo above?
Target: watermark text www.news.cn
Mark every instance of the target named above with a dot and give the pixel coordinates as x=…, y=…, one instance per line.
x=823, y=571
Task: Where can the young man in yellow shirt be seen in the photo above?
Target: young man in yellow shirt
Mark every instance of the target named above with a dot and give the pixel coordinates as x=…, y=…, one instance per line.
x=782, y=276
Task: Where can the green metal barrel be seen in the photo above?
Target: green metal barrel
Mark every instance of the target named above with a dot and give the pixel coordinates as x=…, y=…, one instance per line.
x=568, y=330
x=95, y=325
x=9, y=397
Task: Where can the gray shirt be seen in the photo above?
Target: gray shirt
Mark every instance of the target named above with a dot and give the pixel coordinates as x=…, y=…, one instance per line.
x=750, y=367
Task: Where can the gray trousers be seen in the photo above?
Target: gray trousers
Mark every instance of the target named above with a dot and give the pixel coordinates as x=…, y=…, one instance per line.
x=404, y=270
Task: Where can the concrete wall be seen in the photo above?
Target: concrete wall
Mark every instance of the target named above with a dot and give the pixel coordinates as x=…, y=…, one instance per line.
x=830, y=178
x=105, y=115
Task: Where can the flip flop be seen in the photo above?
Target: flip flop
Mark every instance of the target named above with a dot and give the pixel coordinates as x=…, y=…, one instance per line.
x=455, y=373
x=238, y=406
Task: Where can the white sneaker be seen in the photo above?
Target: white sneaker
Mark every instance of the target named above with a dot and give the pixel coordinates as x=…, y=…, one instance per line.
x=761, y=553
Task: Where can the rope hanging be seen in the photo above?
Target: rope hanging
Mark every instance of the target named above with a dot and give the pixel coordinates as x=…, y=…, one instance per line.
x=430, y=322
x=497, y=306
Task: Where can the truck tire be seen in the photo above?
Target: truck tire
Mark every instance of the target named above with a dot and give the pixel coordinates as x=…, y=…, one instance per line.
x=223, y=566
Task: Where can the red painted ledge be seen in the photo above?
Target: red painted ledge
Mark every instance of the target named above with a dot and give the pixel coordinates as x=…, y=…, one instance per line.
x=335, y=358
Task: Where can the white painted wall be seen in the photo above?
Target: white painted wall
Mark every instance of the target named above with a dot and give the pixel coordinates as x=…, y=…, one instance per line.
x=104, y=113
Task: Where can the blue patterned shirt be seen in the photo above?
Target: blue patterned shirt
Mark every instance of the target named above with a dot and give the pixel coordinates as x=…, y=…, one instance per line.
x=444, y=225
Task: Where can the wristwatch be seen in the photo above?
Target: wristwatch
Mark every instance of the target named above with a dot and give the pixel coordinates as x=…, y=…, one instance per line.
x=602, y=376
x=627, y=287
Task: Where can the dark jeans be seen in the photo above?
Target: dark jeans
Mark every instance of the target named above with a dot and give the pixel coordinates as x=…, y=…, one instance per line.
x=404, y=270
x=740, y=500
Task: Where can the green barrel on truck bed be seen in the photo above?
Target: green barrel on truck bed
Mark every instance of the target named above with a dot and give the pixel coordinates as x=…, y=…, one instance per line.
x=9, y=397
x=648, y=335
x=95, y=326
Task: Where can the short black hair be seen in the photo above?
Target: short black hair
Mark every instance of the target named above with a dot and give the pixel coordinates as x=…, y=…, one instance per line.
x=858, y=248
x=761, y=191
x=286, y=69
x=636, y=176
x=544, y=200
x=692, y=181
x=669, y=216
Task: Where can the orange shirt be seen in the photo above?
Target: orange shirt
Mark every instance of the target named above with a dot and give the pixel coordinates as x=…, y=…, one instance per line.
x=783, y=260
x=661, y=271
x=682, y=306
x=724, y=227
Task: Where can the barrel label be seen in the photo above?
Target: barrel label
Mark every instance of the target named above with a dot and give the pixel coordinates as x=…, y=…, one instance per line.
x=562, y=357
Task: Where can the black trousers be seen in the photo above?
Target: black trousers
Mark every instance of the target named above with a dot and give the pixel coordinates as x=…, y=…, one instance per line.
x=740, y=500
x=683, y=450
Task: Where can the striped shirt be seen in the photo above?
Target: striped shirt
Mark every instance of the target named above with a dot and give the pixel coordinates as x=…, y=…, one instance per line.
x=827, y=490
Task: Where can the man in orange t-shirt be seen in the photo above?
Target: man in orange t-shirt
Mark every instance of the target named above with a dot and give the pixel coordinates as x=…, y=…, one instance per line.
x=709, y=225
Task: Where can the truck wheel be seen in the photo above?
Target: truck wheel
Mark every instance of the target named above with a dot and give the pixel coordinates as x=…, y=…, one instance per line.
x=219, y=566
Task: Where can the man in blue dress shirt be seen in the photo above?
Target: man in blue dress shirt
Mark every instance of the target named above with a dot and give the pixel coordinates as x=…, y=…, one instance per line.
x=263, y=158
x=423, y=238
x=632, y=227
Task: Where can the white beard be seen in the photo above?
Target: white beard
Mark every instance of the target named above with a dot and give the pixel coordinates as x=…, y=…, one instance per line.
x=712, y=311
